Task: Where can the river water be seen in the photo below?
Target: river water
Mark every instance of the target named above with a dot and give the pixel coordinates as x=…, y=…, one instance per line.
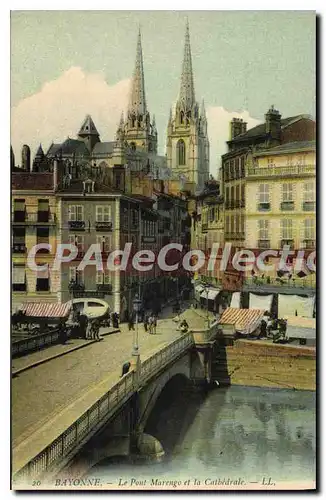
x=233, y=433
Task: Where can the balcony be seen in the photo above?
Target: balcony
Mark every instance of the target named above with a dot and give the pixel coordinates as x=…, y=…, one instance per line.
x=234, y=236
x=106, y=287
x=77, y=225
x=309, y=206
x=286, y=171
x=264, y=244
x=263, y=207
x=103, y=226
x=18, y=247
x=287, y=206
x=148, y=239
x=309, y=244
x=268, y=284
x=288, y=242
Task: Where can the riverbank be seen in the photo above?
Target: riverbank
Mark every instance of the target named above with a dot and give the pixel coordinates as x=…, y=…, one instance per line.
x=261, y=364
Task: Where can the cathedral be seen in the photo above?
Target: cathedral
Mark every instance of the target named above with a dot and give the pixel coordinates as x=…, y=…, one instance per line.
x=135, y=145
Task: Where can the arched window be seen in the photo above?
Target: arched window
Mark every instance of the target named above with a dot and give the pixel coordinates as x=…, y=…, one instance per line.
x=181, y=116
x=133, y=146
x=181, y=152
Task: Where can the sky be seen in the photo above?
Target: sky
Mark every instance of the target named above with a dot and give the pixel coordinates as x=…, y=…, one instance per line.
x=66, y=64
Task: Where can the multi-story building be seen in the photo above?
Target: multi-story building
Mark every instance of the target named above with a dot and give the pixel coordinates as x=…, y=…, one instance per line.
x=34, y=221
x=280, y=208
x=274, y=132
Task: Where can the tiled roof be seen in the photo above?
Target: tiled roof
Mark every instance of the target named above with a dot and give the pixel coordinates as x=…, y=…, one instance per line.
x=103, y=148
x=68, y=147
x=32, y=180
x=245, y=320
x=260, y=130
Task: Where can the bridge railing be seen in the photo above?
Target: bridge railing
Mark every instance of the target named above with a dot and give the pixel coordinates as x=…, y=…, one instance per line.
x=164, y=356
x=34, y=342
x=100, y=411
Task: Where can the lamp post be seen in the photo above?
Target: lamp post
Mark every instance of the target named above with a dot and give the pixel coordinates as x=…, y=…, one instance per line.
x=136, y=308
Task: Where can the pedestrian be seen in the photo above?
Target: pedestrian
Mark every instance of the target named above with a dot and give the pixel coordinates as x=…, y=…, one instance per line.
x=131, y=323
x=150, y=324
x=125, y=368
x=154, y=324
x=146, y=322
x=96, y=329
x=263, y=329
x=83, y=326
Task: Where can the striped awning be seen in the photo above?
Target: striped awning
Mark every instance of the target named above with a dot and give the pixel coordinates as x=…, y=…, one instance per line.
x=38, y=310
x=245, y=320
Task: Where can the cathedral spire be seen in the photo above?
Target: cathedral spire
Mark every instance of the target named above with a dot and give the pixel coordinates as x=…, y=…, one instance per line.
x=203, y=110
x=187, y=91
x=137, y=102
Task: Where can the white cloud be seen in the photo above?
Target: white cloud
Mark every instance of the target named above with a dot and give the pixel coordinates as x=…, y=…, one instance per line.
x=59, y=108
x=218, y=119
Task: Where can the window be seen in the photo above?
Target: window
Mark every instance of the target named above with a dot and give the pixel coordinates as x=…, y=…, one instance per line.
x=243, y=195
x=19, y=279
x=104, y=242
x=286, y=229
x=270, y=162
x=301, y=160
x=43, y=280
x=237, y=224
x=309, y=191
x=263, y=197
x=289, y=161
x=43, y=210
x=212, y=214
x=181, y=152
x=227, y=224
x=19, y=210
x=134, y=218
x=76, y=212
x=232, y=223
x=226, y=171
x=78, y=240
x=242, y=166
x=287, y=192
x=42, y=236
x=263, y=193
x=263, y=227
x=103, y=278
x=237, y=168
x=103, y=213
x=227, y=196
x=237, y=195
x=75, y=275
x=309, y=229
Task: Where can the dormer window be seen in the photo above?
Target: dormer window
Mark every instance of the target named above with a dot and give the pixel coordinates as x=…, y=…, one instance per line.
x=88, y=186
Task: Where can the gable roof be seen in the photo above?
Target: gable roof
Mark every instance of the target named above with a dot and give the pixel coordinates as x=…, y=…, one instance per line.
x=68, y=147
x=88, y=127
x=289, y=147
x=103, y=148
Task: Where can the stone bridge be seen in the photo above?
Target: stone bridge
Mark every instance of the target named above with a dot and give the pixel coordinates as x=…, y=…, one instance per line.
x=120, y=420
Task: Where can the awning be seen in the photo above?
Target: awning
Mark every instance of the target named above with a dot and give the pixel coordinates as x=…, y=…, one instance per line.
x=235, y=301
x=18, y=275
x=36, y=309
x=260, y=301
x=245, y=320
x=212, y=293
x=295, y=305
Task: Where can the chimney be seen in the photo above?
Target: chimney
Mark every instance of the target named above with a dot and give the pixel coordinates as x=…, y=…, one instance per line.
x=26, y=158
x=237, y=127
x=273, y=123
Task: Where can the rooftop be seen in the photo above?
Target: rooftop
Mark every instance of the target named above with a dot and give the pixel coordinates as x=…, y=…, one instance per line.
x=32, y=180
x=289, y=147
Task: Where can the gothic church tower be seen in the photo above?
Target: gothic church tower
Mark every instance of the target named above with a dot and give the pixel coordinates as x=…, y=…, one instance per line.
x=139, y=132
x=187, y=146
